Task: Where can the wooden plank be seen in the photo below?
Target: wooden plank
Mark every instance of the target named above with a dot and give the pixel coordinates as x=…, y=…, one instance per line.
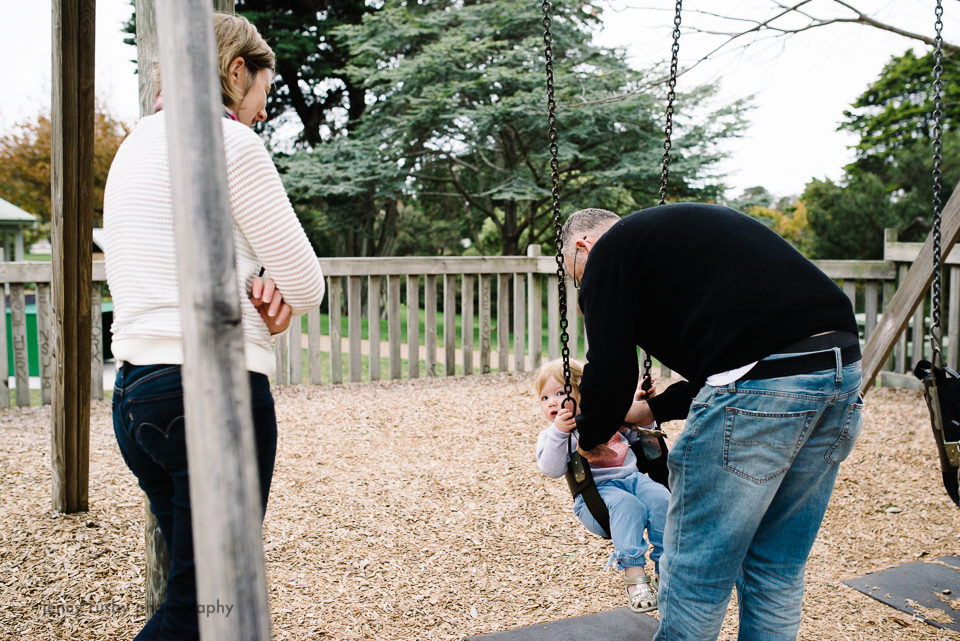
x=503, y=322
x=918, y=337
x=334, y=301
x=314, y=361
x=354, y=327
x=519, y=323
x=466, y=325
x=573, y=327
x=18, y=324
x=44, y=347
x=450, y=324
x=889, y=290
x=224, y=6
x=908, y=252
x=413, y=326
x=484, y=297
x=393, y=325
x=535, y=312
x=282, y=355
x=42, y=272
x=953, y=320
x=430, y=323
x=909, y=295
x=373, y=325
x=225, y=492
x=553, y=318
x=904, y=381
x=436, y=265
x=72, y=199
x=850, y=289
x=4, y=355
x=96, y=344
x=295, y=350
x=901, y=354
x=148, y=56
x=858, y=269
x=870, y=295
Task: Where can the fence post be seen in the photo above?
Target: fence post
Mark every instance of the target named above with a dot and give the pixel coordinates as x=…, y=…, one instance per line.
x=21, y=357
x=354, y=327
x=313, y=341
x=450, y=324
x=373, y=326
x=484, y=298
x=553, y=317
x=96, y=347
x=295, y=350
x=430, y=323
x=393, y=326
x=224, y=488
x=519, y=323
x=413, y=326
x=466, y=325
x=336, y=330
x=4, y=351
x=535, y=305
x=503, y=322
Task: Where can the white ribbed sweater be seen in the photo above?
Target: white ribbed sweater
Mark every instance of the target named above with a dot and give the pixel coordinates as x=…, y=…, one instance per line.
x=141, y=254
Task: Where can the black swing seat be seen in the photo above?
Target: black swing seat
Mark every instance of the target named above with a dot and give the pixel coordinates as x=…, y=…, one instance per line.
x=651, y=452
x=941, y=389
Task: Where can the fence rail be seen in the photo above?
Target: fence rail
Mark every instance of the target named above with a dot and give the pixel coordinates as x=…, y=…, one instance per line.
x=463, y=316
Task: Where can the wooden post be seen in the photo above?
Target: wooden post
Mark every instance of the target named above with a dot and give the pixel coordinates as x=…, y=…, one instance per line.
x=373, y=326
x=44, y=344
x=393, y=326
x=901, y=351
x=295, y=350
x=503, y=322
x=224, y=488
x=573, y=327
x=21, y=357
x=535, y=305
x=484, y=297
x=519, y=323
x=450, y=324
x=313, y=351
x=553, y=318
x=909, y=295
x=156, y=557
x=919, y=335
x=870, y=291
x=281, y=353
x=336, y=330
x=430, y=323
x=889, y=289
x=354, y=327
x=466, y=324
x=224, y=6
x=72, y=260
x=413, y=326
x=96, y=347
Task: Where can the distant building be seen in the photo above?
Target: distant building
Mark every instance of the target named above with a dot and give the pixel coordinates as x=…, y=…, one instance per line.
x=13, y=221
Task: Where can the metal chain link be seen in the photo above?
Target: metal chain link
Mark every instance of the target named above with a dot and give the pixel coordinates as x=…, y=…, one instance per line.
x=671, y=96
x=935, y=328
x=555, y=186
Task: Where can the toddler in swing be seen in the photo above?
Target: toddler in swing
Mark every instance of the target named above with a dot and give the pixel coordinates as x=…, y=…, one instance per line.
x=635, y=502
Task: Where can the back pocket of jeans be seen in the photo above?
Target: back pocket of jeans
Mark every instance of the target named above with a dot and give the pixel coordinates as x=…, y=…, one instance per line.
x=852, y=425
x=760, y=446
x=160, y=429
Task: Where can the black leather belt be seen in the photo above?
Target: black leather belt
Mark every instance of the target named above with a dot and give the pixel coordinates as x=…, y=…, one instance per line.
x=813, y=354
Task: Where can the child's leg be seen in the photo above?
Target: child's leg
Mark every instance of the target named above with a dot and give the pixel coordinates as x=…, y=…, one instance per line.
x=656, y=498
x=628, y=517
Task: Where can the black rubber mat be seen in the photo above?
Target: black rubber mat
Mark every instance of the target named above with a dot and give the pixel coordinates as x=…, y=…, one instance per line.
x=615, y=625
x=928, y=584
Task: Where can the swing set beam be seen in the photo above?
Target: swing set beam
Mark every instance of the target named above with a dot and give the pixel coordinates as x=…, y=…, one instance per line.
x=910, y=293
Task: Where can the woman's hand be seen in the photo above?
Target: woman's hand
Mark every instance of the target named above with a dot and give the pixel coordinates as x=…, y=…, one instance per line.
x=268, y=300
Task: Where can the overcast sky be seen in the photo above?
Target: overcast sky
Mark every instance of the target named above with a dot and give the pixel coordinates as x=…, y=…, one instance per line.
x=801, y=85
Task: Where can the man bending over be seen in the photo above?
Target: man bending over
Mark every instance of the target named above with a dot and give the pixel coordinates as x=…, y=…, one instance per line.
x=768, y=345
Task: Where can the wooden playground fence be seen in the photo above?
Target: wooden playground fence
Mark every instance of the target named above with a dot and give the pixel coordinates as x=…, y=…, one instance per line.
x=497, y=298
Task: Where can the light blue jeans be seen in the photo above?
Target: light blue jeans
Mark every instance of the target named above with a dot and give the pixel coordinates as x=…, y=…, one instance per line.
x=635, y=504
x=752, y=473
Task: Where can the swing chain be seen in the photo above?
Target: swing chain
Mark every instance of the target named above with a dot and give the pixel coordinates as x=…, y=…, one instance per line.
x=671, y=96
x=935, y=328
x=555, y=182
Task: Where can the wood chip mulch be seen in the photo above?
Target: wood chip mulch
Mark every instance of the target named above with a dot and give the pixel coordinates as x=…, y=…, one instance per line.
x=415, y=510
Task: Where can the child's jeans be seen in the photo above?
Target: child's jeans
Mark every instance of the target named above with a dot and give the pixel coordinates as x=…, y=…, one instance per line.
x=635, y=504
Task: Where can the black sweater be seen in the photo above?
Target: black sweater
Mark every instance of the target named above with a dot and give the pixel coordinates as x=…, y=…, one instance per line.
x=704, y=289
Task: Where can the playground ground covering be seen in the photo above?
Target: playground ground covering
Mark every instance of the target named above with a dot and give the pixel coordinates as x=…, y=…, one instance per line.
x=414, y=510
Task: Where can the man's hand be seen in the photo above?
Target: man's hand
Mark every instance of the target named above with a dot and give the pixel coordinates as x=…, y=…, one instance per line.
x=597, y=454
x=639, y=414
x=565, y=421
x=268, y=300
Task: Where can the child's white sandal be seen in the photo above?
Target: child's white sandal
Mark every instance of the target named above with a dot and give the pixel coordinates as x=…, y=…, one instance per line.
x=644, y=599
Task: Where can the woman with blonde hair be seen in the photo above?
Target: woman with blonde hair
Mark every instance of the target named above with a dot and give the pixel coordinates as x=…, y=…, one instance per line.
x=148, y=414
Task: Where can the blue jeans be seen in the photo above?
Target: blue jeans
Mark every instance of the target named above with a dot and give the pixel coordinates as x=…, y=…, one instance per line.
x=635, y=504
x=751, y=476
x=148, y=420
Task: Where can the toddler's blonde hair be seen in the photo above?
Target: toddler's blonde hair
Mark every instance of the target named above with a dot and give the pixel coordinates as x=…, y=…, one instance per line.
x=554, y=371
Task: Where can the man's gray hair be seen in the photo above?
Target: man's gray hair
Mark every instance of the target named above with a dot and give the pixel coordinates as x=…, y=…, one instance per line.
x=583, y=223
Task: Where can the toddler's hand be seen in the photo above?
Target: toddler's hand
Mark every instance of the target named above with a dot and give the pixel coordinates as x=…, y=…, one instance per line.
x=642, y=395
x=565, y=421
